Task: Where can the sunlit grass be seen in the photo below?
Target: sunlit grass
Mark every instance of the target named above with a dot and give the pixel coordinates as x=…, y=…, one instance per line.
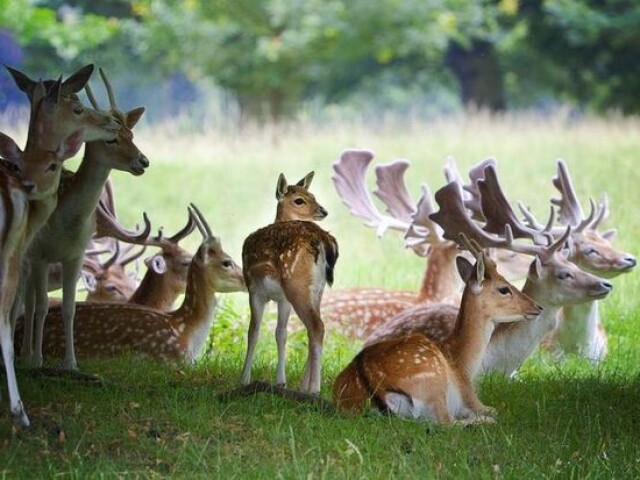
x=568, y=419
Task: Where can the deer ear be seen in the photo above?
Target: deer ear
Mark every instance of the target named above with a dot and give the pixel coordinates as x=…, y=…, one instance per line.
x=157, y=264
x=133, y=116
x=23, y=82
x=9, y=150
x=77, y=80
x=609, y=235
x=306, y=181
x=465, y=268
x=89, y=281
x=536, y=268
x=281, y=188
x=71, y=145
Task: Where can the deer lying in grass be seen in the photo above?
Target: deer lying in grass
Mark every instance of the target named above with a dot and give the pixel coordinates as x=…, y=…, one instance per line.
x=72, y=224
x=417, y=378
x=580, y=329
x=289, y=262
x=553, y=282
x=358, y=311
x=110, y=329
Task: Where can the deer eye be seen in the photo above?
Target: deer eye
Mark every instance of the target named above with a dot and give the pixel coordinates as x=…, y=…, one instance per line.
x=227, y=263
x=298, y=201
x=504, y=291
x=564, y=275
x=78, y=110
x=52, y=167
x=112, y=142
x=591, y=251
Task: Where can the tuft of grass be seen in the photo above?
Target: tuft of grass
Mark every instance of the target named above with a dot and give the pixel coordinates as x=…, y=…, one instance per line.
x=558, y=419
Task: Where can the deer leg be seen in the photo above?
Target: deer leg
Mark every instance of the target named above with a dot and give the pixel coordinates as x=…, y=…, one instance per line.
x=37, y=291
x=284, y=311
x=256, y=304
x=70, y=273
x=315, y=334
x=25, y=301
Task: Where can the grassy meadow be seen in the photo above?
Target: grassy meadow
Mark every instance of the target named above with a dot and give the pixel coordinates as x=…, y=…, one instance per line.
x=557, y=420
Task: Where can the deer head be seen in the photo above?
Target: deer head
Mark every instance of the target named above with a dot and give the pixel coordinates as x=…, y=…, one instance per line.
x=295, y=202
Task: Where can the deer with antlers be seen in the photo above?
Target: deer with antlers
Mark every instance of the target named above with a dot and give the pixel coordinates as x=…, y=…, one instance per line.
x=415, y=377
x=105, y=329
x=552, y=281
x=72, y=224
x=359, y=310
x=290, y=262
x=57, y=127
x=580, y=329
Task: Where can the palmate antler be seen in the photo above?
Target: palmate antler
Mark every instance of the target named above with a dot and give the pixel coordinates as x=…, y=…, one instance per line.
x=455, y=219
x=349, y=180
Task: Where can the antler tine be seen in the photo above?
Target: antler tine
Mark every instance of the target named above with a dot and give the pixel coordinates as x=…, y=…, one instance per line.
x=569, y=208
x=473, y=200
x=90, y=96
x=392, y=189
x=603, y=212
x=473, y=247
x=186, y=230
x=112, y=98
x=108, y=226
x=423, y=232
x=114, y=258
x=349, y=181
x=201, y=222
x=451, y=172
x=497, y=210
x=125, y=261
x=590, y=218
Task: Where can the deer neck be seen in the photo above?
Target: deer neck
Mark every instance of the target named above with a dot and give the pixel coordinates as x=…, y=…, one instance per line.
x=199, y=299
x=467, y=343
x=579, y=326
x=83, y=193
x=154, y=292
x=441, y=280
x=39, y=212
x=512, y=343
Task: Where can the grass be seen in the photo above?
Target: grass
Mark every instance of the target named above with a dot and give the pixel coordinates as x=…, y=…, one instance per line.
x=558, y=420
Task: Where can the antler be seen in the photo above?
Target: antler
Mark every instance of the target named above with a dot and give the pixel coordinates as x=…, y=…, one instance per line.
x=454, y=219
x=392, y=190
x=570, y=211
x=423, y=232
x=161, y=241
x=498, y=212
x=349, y=180
x=107, y=225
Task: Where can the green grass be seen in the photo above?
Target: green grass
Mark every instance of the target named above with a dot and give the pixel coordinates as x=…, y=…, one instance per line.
x=558, y=420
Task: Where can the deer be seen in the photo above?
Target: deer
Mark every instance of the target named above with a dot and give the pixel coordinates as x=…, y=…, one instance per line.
x=580, y=330
x=71, y=225
x=166, y=276
x=415, y=377
x=553, y=281
x=27, y=198
x=359, y=310
x=107, y=329
x=290, y=261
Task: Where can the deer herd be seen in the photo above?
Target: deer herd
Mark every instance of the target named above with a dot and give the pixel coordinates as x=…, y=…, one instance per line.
x=422, y=350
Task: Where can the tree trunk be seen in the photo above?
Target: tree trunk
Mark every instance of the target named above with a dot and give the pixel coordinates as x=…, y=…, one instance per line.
x=479, y=74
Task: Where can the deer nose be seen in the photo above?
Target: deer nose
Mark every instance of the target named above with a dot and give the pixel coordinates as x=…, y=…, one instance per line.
x=631, y=261
x=144, y=161
x=29, y=187
x=606, y=286
x=322, y=211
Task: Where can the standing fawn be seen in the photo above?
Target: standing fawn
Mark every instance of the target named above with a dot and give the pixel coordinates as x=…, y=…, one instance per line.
x=26, y=202
x=71, y=226
x=417, y=378
x=109, y=329
x=289, y=262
